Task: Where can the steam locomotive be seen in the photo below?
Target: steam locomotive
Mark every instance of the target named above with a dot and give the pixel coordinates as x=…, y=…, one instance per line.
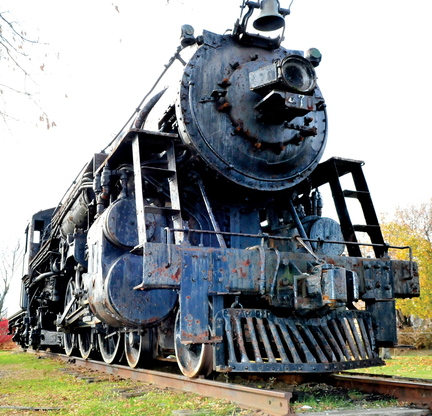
x=198, y=233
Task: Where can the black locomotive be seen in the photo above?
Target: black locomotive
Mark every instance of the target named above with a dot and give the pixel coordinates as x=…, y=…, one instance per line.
x=198, y=233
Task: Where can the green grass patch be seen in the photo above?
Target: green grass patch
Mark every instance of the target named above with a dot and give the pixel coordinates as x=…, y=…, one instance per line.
x=409, y=364
x=29, y=384
x=315, y=397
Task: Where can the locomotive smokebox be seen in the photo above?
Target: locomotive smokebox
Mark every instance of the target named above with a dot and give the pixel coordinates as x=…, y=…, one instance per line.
x=255, y=116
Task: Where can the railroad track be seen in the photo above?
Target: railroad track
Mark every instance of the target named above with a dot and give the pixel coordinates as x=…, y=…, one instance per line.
x=418, y=392
x=275, y=403
x=271, y=402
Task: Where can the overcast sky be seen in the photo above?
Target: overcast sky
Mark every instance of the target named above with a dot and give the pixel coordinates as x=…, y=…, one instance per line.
x=102, y=56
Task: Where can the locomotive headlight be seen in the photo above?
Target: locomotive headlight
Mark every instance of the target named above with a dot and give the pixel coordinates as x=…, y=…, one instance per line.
x=293, y=73
x=298, y=74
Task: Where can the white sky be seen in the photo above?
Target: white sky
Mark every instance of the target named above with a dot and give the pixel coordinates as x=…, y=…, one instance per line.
x=100, y=62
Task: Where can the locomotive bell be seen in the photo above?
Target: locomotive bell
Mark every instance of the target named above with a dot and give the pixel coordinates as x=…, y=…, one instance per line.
x=187, y=36
x=269, y=18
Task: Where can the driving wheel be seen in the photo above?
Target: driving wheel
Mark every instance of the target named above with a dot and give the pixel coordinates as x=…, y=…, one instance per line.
x=109, y=342
x=85, y=342
x=193, y=359
x=69, y=338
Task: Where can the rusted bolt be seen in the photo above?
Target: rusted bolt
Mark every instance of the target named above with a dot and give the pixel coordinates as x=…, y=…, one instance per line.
x=224, y=83
x=224, y=107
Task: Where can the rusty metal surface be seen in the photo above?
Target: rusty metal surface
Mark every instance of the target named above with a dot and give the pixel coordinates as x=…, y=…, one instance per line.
x=215, y=97
x=275, y=403
x=406, y=390
x=329, y=344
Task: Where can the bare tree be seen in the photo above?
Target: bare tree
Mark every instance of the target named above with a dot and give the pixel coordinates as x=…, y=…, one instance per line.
x=9, y=261
x=15, y=60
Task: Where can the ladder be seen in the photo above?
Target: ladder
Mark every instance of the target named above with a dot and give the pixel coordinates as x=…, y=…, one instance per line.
x=143, y=142
x=330, y=172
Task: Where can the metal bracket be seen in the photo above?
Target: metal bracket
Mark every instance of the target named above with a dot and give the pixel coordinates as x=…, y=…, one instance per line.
x=194, y=316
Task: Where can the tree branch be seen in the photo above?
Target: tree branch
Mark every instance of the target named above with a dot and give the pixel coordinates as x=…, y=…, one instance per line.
x=10, y=260
x=10, y=24
x=12, y=49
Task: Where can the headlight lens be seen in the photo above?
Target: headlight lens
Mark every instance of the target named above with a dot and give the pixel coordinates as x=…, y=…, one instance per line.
x=298, y=74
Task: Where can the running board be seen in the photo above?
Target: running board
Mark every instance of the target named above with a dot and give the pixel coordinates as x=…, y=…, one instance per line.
x=258, y=341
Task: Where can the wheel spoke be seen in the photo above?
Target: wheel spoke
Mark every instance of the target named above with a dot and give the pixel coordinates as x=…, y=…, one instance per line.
x=69, y=338
x=110, y=345
x=85, y=343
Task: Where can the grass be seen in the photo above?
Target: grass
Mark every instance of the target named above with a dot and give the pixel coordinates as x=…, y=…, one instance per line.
x=29, y=384
x=37, y=384
x=312, y=402
x=413, y=364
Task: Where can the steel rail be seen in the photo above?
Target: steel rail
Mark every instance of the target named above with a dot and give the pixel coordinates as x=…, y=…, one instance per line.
x=404, y=389
x=275, y=403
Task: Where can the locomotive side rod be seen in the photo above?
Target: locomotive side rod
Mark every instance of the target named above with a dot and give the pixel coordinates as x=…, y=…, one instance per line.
x=275, y=403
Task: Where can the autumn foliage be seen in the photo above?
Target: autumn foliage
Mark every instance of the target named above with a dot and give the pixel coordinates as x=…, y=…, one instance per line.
x=5, y=339
x=413, y=227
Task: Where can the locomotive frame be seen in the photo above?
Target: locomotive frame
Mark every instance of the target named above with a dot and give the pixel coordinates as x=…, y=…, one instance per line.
x=203, y=237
